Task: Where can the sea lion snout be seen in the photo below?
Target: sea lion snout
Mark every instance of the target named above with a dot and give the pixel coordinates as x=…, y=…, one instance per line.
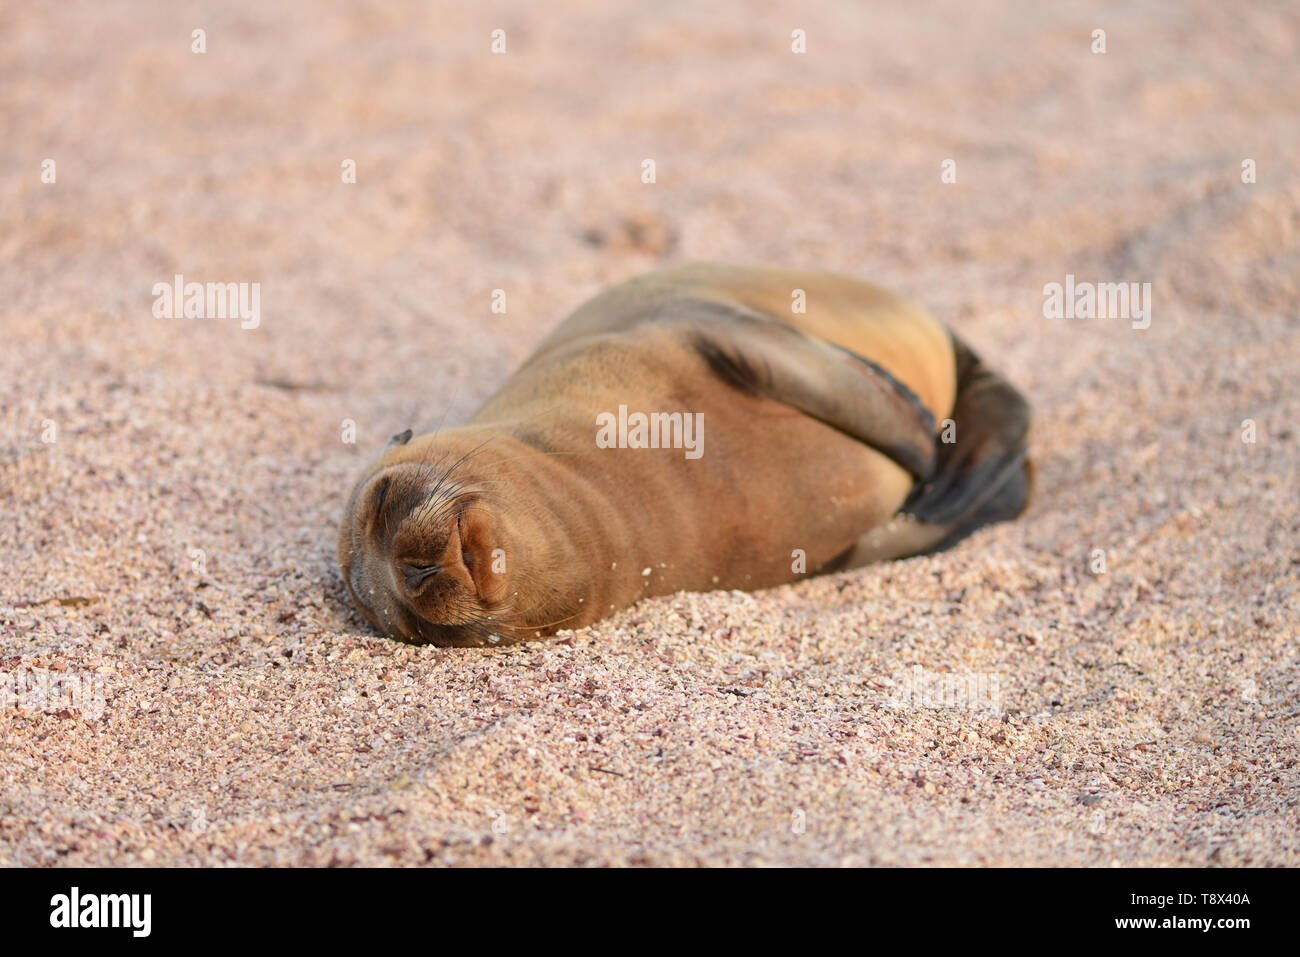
x=417, y=556
x=439, y=568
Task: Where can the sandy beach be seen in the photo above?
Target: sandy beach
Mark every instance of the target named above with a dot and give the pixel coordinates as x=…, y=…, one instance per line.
x=1114, y=679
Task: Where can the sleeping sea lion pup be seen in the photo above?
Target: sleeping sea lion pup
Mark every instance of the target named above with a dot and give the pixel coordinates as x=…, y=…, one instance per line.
x=687, y=429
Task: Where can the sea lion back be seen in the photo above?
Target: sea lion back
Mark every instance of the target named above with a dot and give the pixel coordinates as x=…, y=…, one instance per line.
x=867, y=320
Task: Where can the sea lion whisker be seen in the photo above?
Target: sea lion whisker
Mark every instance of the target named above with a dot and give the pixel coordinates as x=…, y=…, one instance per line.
x=447, y=474
x=552, y=624
x=467, y=456
x=427, y=466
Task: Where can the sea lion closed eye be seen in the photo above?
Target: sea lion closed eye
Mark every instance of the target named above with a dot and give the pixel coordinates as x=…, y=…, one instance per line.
x=686, y=430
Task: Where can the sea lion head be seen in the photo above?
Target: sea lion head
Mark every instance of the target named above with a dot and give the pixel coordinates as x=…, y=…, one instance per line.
x=419, y=548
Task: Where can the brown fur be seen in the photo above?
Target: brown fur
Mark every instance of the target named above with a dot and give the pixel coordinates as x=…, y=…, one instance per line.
x=529, y=527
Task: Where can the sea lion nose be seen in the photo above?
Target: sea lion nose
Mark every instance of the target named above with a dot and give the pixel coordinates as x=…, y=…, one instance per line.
x=416, y=575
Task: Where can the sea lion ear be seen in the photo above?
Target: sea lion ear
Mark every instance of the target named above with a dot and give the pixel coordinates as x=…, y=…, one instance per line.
x=401, y=438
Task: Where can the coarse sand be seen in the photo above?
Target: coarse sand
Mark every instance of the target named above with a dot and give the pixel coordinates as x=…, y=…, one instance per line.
x=1112, y=679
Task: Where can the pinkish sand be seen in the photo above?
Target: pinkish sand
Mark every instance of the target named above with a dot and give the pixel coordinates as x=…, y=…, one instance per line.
x=171, y=488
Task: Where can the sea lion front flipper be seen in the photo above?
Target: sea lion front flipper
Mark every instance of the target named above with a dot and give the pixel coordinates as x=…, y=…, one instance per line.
x=832, y=384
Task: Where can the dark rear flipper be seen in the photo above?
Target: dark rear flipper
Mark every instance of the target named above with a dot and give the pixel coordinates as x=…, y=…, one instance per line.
x=1007, y=501
x=983, y=477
